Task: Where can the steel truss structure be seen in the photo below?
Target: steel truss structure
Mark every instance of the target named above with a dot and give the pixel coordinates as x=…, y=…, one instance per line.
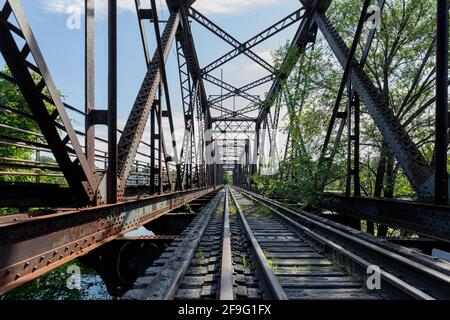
x=96, y=201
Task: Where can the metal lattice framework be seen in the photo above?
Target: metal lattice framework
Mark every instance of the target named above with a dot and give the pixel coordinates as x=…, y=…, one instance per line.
x=234, y=141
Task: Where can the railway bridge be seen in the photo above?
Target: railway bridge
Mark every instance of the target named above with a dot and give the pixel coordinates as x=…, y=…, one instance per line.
x=205, y=230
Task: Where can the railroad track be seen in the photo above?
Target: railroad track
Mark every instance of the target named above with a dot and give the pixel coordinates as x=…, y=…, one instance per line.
x=244, y=246
x=404, y=273
x=292, y=266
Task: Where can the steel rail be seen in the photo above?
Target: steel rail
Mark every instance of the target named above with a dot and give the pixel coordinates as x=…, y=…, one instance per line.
x=274, y=285
x=437, y=283
x=226, y=272
x=164, y=284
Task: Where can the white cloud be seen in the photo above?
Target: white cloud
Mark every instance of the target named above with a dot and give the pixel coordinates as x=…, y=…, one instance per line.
x=267, y=55
x=64, y=6
x=229, y=6
x=204, y=6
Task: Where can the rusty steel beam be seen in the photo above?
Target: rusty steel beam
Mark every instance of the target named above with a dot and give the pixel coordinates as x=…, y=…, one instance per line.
x=137, y=120
x=37, y=245
x=427, y=219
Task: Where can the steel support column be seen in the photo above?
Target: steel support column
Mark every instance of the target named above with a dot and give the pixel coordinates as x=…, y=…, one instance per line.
x=89, y=83
x=111, y=173
x=441, y=174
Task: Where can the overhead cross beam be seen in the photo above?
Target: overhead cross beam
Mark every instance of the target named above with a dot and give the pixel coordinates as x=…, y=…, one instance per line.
x=245, y=88
x=244, y=48
x=211, y=26
x=222, y=84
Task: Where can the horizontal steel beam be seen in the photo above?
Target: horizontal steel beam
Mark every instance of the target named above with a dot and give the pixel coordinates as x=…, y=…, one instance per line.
x=31, y=247
x=426, y=219
x=233, y=120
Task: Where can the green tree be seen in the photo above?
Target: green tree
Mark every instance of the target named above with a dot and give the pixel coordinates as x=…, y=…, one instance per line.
x=16, y=123
x=400, y=64
x=227, y=178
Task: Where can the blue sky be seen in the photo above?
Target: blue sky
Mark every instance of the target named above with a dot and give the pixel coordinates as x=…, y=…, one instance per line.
x=63, y=49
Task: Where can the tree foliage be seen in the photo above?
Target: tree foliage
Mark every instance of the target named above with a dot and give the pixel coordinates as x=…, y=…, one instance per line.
x=401, y=64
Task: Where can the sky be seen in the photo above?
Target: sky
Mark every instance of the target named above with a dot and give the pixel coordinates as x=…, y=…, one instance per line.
x=63, y=47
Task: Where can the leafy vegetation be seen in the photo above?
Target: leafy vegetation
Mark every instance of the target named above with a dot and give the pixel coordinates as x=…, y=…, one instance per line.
x=53, y=286
x=11, y=97
x=227, y=178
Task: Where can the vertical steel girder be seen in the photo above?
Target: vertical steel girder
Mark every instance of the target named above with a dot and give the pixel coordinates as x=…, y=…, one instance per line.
x=134, y=128
x=186, y=42
x=78, y=173
x=246, y=46
x=111, y=173
x=89, y=81
x=184, y=37
x=188, y=155
x=157, y=113
x=201, y=163
x=168, y=112
x=346, y=75
x=441, y=153
x=142, y=16
x=415, y=167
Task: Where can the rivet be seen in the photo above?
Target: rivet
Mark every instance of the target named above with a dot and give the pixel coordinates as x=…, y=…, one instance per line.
x=26, y=265
x=18, y=276
x=41, y=258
